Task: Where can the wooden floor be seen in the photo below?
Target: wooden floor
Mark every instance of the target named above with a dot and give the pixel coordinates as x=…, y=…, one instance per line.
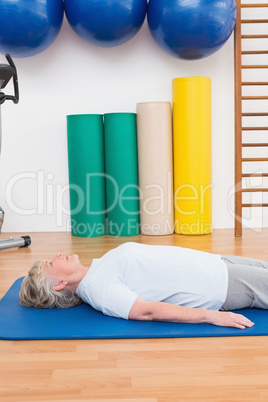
x=133, y=370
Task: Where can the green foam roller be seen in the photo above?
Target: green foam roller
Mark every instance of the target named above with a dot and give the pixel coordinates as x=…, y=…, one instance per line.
x=121, y=165
x=86, y=174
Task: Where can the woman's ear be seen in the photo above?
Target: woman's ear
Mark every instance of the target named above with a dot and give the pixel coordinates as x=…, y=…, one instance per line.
x=60, y=285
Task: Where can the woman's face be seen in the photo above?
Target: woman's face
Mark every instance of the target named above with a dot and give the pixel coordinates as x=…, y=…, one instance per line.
x=62, y=266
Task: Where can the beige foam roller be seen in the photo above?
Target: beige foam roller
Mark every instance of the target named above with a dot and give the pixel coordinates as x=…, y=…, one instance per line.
x=154, y=130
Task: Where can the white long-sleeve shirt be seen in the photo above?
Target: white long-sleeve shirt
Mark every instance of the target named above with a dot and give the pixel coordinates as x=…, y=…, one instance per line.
x=168, y=274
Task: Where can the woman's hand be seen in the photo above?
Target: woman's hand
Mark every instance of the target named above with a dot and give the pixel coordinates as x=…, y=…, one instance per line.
x=160, y=311
x=228, y=319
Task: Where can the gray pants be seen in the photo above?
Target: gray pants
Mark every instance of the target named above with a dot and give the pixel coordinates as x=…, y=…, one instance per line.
x=247, y=283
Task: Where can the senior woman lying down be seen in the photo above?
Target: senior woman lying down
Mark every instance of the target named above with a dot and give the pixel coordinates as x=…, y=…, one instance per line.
x=160, y=283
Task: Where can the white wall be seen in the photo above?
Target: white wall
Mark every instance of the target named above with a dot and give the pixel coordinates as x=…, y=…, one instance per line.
x=73, y=76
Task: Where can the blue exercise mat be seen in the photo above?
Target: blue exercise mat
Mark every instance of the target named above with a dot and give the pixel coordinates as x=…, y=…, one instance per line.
x=83, y=322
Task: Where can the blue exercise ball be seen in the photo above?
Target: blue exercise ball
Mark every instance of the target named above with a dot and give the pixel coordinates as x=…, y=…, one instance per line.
x=106, y=23
x=28, y=27
x=191, y=29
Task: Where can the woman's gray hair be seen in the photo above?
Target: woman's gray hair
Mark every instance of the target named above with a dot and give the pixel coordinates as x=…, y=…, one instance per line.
x=37, y=290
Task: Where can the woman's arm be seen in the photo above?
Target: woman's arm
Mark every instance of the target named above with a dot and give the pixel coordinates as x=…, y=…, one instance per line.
x=159, y=311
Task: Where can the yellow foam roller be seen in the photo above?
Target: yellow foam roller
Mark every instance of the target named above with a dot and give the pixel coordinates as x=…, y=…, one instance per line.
x=192, y=155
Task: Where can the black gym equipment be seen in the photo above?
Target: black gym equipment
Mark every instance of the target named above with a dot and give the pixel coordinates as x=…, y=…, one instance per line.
x=8, y=72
